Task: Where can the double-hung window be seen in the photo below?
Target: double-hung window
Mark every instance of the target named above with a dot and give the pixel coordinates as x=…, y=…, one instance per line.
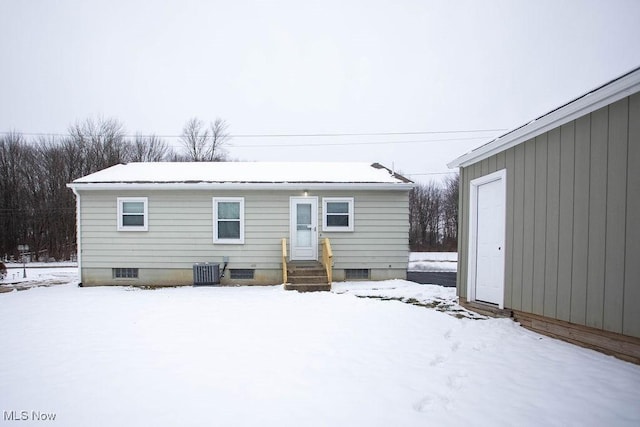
x=337, y=214
x=228, y=220
x=132, y=214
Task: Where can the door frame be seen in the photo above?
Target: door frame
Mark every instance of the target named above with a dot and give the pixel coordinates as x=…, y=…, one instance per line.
x=500, y=176
x=293, y=201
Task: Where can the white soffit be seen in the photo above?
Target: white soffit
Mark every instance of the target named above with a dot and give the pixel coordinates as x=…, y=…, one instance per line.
x=607, y=94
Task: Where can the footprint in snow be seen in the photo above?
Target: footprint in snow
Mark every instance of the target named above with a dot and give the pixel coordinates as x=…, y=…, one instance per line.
x=455, y=381
x=427, y=403
x=438, y=360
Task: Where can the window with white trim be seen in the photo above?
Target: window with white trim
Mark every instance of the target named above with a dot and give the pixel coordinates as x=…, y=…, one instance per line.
x=228, y=220
x=337, y=214
x=132, y=214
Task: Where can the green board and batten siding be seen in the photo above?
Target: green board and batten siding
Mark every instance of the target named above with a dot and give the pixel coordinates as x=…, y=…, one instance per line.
x=181, y=233
x=572, y=220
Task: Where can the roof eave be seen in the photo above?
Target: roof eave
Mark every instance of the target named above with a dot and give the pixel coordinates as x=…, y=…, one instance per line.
x=116, y=186
x=605, y=95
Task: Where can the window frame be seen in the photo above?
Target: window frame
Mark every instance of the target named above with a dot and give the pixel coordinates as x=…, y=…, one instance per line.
x=350, y=214
x=145, y=214
x=226, y=241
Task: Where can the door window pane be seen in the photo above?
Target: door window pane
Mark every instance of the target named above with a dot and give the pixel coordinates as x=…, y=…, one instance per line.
x=303, y=227
x=303, y=238
x=304, y=214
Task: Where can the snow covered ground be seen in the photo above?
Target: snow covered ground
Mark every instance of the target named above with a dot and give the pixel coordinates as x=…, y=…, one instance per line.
x=38, y=274
x=265, y=356
x=433, y=261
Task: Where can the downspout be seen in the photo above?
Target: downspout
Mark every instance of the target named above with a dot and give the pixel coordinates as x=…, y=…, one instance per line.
x=78, y=233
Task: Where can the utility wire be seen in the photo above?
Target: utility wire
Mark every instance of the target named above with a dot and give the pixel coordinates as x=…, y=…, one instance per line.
x=273, y=135
x=430, y=173
x=322, y=144
x=317, y=144
x=305, y=135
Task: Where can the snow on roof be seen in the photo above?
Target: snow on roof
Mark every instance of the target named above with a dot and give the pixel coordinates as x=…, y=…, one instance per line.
x=242, y=172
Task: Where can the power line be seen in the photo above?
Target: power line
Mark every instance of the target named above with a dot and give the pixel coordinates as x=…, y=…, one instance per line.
x=273, y=135
x=324, y=144
x=305, y=135
x=321, y=144
x=430, y=173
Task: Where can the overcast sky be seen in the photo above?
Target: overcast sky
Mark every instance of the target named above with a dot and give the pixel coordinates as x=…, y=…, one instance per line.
x=307, y=67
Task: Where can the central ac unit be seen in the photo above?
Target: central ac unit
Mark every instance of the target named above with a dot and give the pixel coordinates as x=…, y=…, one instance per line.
x=206, y=274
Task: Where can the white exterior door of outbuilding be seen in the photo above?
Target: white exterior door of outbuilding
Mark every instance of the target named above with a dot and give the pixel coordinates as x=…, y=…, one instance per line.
x=303, y=225
x=487, y=237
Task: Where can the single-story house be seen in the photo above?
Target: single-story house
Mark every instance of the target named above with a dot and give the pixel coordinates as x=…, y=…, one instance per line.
x=162, y=224
x=549, y=221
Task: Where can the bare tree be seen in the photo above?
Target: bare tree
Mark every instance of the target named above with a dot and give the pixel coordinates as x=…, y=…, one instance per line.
x=450, y=197
x=433, y=212
x=194, y=138
x=204, y=144
x=102, y=141
x=58, y=210
x=149, y=149
x=219, y=137
x=13, y=153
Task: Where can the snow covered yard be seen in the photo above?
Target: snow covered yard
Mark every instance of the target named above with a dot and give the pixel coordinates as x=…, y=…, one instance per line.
x=264, y=356
x=38, y=274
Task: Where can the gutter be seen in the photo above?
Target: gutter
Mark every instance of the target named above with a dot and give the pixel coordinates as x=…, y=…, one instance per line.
x=78, y=233
x=75, y=186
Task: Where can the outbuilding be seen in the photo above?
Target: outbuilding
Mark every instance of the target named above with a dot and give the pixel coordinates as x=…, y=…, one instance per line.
x=549, y=221
x=166, y=224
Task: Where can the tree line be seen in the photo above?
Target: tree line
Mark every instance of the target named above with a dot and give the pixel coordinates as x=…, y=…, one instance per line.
x=433, y=216
x=36, y=207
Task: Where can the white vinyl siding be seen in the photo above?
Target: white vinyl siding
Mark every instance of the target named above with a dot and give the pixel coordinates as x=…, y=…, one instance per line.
x=132, y=214
x=181, y=223
x=228, y=220
x=380, y=239
x=337, y=214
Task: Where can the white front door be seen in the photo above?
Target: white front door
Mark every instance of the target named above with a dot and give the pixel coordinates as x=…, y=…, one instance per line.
x=303, y=223
x=488, y=232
